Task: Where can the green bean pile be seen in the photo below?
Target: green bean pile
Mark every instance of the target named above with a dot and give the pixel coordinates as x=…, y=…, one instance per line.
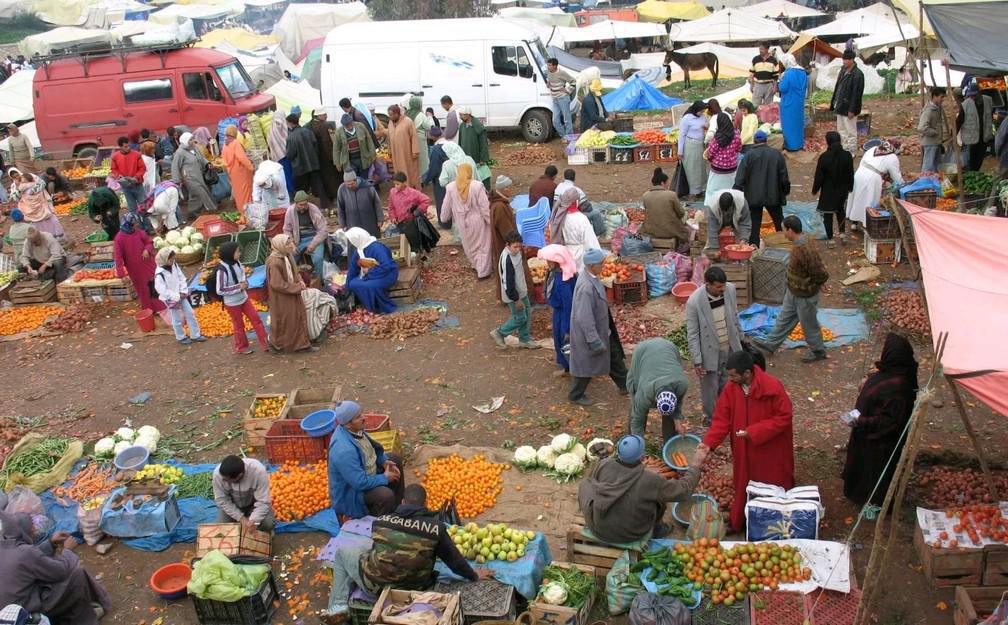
x=196, y=485
x=579, y=585
x=38, y=458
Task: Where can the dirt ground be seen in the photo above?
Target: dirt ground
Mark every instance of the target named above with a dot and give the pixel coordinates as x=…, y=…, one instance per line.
x=81, y=384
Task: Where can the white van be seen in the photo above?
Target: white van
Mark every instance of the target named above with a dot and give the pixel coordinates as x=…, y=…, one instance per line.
x=492, y=65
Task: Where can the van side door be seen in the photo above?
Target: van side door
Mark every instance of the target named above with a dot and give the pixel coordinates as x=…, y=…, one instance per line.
x=512, y=89
x=202, y=99
x=454, y=69
x=150, y=100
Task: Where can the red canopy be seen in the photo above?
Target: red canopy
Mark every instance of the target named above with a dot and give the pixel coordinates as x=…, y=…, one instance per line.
x=965, y=268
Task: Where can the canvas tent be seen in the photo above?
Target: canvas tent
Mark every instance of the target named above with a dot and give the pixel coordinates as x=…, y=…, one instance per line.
x=774, y=9
x=661, y=11
x=301, y=22
x=9, y=9
x=289, y=93
x=730, y=25
x=871, y=20
x=16, y=97
x=973, y=32
x=547, y=17
x=609, y=30
x=237, y=37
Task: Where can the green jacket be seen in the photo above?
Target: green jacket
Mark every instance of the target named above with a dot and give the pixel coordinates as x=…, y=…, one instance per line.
x=472, y=138
x=341, y=153
x=655, y=367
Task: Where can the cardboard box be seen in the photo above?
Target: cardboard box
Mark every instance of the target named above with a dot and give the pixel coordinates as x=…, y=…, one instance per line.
x=452, y=614
x=232, y=540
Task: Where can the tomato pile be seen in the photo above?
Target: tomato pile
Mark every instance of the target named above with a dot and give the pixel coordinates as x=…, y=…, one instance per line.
x=728, y=575
x=299, y=491
x=946, y=487
x=620, y=270
x=978, y=522
x=474, y=483
x=94, y=274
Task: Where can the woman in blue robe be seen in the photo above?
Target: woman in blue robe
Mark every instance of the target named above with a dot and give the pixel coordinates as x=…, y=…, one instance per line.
x=560, y=295
x=792, y=87
x=370, y=284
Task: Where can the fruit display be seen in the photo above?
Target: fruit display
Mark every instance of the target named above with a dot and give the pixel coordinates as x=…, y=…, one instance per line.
x=213, y=262
x=905, y=309
x=593, y=138
x=269, y=407
x=6, y=277
x=94, y=274
x=299, y=491
x=73, y=318
x=799, y=335
x=383, y=154
x=977, y=523
x=619, y=270
x=635, y=215
x=26, y=318
x=70, y=206
x=728, y=575
x=214, y=321
x=494, y=541
x=945, y=487
x=163, y=473
x=622, y=140
x=474, y=483
x=650, y=137
x=76, y=173
x=101, y=171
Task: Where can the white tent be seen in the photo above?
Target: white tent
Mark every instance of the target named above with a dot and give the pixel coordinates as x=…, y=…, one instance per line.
x=875, y=19
x=775, y=8
x=9, y=9
x=16, y=97
x=730, y=25
x=548, y=17
x=62, y=38
x=289, y=93
x=28, y=130
x=611, y=29
x=301, y=23
x=168, y=14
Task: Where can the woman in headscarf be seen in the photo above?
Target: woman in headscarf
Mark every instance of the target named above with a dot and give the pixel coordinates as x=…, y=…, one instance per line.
x=48, y=578
x=423, y=125
x=188, y=165
x=15, y=176
x=269, y=187
x=173, y=289
x=834, y=177
x=371, y=271
x=288, y=318
x=239, y=168
x=467, y=205
x=205, y=142
x=277, y=141
x=150, y=174
x=572, y=228
x=232, y=287
x=134, y=254
x=560, y=283
x=692, y=128
x=723, y=155
x=879, y=166
x=792, y=86
x=164, y=211
x=36, y=205
x=885, y=402
x=713, y=110
x=593, y=110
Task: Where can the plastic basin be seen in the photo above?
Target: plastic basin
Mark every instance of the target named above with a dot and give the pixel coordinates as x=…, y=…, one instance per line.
x=131, y=458
x=683, y=290
x=685, y=444
x=170, y=581
x=319, y=423
x=731, y=254
x=681, y=509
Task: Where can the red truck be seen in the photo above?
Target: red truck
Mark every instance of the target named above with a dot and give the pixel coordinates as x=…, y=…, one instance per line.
x=87, y=100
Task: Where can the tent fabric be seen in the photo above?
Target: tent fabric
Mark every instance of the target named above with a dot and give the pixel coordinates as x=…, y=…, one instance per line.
x=609, y=30
x=288, y=93
x=9, y=9
x=871, y=20
x=661, y=11
x=818, y=46
x=638, y=95
x=16, y=97
x=611, y=70
x=967, y=296
x=973, y=33
x=197, y=12
x=239, y=38
x=730, y=25
x=547, y=17
x=303, y=22
x=912, y=9
x=63, y=37
x=773, y=9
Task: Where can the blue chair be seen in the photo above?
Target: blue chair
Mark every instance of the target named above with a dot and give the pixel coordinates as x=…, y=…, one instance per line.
x=532, y=222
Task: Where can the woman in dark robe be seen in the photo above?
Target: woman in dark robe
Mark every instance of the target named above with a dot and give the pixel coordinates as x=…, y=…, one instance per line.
x=834, y=180
x=885, y=403
x=49, y=578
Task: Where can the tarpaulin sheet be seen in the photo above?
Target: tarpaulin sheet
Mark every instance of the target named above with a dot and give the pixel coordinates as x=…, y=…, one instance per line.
x=847, y=324
x=973, y=33
x=195, y=511
x=964, y=267
x=924, y=183
x=730, y=25
x=661, y=11
x=255, y=281
x=525, y=573
x=811, y=219
x=638, y=95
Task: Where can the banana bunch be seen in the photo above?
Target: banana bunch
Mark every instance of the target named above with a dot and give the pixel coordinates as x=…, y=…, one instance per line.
x=595, y=138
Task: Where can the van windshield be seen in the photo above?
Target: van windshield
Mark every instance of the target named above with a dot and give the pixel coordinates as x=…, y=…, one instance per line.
x=539, y=54
x=235, y=80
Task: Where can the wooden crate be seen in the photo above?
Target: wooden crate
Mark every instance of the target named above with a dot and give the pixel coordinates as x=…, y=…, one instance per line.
x=407, y=289
x=975, y=603
x=739, y=275
x=588, y=552
x=255, y=429
x=328, y=394
x=233, y=540
x=645, y=154
x=452, y=614
x=400, y=248
x=101, y=252
x=33, y=292
x=303, y=410
x=949, y=567
x=995, y=571
x=548, y=614
x=883, y=251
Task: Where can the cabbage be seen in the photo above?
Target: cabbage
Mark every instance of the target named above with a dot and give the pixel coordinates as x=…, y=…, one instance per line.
x=188, y=231
x=562, y=443
x=121, y=446
x=196, y=245
x=568, y=465
x=125, y=434
x=174, y=249
x=181, y=242
x=149, y=431
x=159, y=243
x=171, y=236
x=553, y=593
x=104, y=447
x=525, y=458
x=196, y=236
x=545, y=456
x=592, y=443
x=188, y=250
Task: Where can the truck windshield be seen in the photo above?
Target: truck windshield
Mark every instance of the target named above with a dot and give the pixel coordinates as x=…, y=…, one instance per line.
x=235, y=80
x=539, y=54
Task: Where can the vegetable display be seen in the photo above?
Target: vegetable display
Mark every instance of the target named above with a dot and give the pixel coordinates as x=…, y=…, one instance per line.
x=25, y=318
x=977, y=182
x=73, y=318
x=146, y=436
x=495, y=541
x=299, y=491
x=195, y=485
x=563, y=459
x=163, y=473
x=6, y=277
x=658, y=466
x=680, y=339
x=91, y=482
x=977, y=523
x=626, y=141
x=568, y=587
x=404, y=325
x=905, y=309
x=184, y=241
x=94, y=274
x=947, y=486
x=38, y=458
x=593, y=138
x=667, y=572
x=474, y=483
x=650, y=137
x=728, y=575
x=531, y=154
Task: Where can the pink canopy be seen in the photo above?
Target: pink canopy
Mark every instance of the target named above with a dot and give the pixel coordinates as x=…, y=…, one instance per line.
x=965, y=267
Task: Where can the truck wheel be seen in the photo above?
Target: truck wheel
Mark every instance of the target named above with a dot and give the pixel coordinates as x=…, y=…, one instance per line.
x=88, y=151
x=537, y=126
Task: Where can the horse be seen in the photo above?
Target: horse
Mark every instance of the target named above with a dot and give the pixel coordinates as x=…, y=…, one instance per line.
x=691, y=61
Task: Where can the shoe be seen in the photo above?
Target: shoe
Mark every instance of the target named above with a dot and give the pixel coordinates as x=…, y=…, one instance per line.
x=560, y=373
x=498, y=338
x=813, y=357
x=661, y=530
x=199, y=339
x=831, y=244
x=186, y=341
x=583, y=401
x=309, y=349
x=529, y=345
x=247, y=350
x=763, y=347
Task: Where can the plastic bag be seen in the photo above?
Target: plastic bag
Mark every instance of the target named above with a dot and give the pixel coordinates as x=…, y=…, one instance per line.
x=682, y=266
x=216, y=577
x=21, y=500
x=660, y=278
x=700, y=266
x=621, y=586
x=90, y=524
x=54, y=476
x=651, y=609
x=616, y=243
x=705, y=521
x=635, y=245
x=257, y=215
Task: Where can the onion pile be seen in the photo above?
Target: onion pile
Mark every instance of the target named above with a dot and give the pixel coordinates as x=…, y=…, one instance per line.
x=531, y=154
x=905, y=309
x=73, y=318
x=634, y=327
x=404, y=325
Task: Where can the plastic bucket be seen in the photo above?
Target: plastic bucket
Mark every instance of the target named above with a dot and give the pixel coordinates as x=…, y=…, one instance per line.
x=145, y=319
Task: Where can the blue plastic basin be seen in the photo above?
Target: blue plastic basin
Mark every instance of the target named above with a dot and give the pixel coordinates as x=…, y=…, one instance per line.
x=134, y=457
x=685, y=444
x=319, y=423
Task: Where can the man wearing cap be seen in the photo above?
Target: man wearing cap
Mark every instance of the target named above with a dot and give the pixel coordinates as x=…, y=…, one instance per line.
x=353, y=147
x=307, y=228
x=846, y=101
x=595, y=344
x=623, y=501
x=302, y=152
x=657, y=380
x=358, y=116
x=358, y=205
x=763, y=177
x=363, y=478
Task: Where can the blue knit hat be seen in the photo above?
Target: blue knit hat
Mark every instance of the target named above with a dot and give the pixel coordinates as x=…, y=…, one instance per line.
x=630, y=449
x=346, y=411
x=593, y=256
x=17, y=215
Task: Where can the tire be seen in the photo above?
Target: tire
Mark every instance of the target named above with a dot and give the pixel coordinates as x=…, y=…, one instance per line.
x=88, y=151
x=537, y=126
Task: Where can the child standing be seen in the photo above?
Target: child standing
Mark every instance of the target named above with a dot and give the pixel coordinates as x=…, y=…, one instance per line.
x=232, y=287
x=514, y=292
x=560, y=296
x=172, y=289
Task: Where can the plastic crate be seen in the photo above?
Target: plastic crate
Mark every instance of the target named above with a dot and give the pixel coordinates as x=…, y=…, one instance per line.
x=252, y=247
x=359, y=611
x=105, y=264
x=632, y=291
x=831, y=607
x=213, y=244
x=881, y=225
x=287, y=442
x=483, y=600
x=709, y=614
x=318, y=395
x=257, y=609
x=623, y=124
x=666, y=153
x=925, y=199
x=769, y=275
x=882, y=251
x=376, y=422
x=388, y=439
x=777, y=608
x=599, y=155
x=622, y=154
x=580, y=156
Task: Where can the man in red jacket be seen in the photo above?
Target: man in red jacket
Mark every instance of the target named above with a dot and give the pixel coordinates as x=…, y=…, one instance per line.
x=755, y=411
x=128, y=169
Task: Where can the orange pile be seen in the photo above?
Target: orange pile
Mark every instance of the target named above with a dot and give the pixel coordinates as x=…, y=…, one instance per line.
x=620, y=270
x=76, y=173
x=94, y=274
x=799, y=335
x=215, y=321
x=474, y=483
x=269, y=407
x=25, y=318
x=299, y=491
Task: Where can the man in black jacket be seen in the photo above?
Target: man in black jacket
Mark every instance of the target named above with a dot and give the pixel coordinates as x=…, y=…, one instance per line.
x=763, y=177
x=846, y=101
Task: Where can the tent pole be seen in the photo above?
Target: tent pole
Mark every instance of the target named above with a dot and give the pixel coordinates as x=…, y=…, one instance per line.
x=973, y=439
x=955, y=142
x=920, y=55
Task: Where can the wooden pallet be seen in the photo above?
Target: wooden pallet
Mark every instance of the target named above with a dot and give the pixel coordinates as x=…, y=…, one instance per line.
x=949, y=567
x=739, y=275
x=33, y=292
x=589, y=552
x=995, y=571
x=407, y=289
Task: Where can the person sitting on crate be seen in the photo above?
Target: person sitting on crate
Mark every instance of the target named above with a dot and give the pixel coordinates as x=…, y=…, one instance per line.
x=404, y=547
x=42, y=257
x=623, y=501
x=307, y=228
x=363, y=479
x=371, y=271
x=241, y=491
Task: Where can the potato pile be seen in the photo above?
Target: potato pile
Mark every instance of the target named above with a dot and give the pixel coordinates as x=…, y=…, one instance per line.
x=72, y=319
x=905, y=309
x=404, y=325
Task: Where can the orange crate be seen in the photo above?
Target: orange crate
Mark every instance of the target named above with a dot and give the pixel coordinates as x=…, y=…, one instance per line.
x=377, y=422
x=632, y=291
x=287, y=442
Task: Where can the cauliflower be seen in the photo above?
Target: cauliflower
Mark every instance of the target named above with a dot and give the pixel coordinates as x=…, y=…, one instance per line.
x=171, y=236
x=149, y=443
x=580, y=451
x=104, y=447
x=546, y=457
x=562, y=443
x=159, y=243
x=525, y=458
x=568, y=465
x=188, y=231
x=553, y=593
x=187, y=249
x=121, y=446
x=593, y=455
x=149, y=431
x=125, y=434
x=197, y=237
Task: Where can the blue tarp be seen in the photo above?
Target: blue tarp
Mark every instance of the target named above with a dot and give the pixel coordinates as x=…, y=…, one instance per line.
x=811, y=219
x=638, y=95
x=847, y=324
x=924, y=183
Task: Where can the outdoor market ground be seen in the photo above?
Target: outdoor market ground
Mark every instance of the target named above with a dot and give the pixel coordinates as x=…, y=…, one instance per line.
x=80, y=384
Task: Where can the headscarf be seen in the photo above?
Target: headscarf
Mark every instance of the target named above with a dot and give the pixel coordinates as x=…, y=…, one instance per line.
x=163, y=257
x=833, y=138
x=183, y=140
x=228, y=254
x=725, y=132
x=697, y=107
x=898, y=357
x=277, y=137
x=264, y=174
x=17, y=528
x=415, y=107
x=593, y=256
x=560, y=255
x=887, y=147
x=278, y=249
x=360, y=239
x=465, y=173
x=231, y=131
x=34, y=202
x=128, y=223
x=465, y=110
x=567, y=203
x=888, y=395
x=595, y=86
x=202, y=136
x=787, y=61
x=395, y=108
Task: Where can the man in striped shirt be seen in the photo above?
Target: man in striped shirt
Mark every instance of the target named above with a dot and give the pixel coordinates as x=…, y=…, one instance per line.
x=763, y=76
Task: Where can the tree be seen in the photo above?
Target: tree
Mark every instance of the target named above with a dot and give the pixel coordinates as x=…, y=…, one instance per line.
x=382, y=10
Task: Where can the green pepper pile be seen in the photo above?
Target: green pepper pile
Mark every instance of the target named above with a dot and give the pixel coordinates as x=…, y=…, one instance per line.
x=667, y=573
x=977, y=182
x=625, y=140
